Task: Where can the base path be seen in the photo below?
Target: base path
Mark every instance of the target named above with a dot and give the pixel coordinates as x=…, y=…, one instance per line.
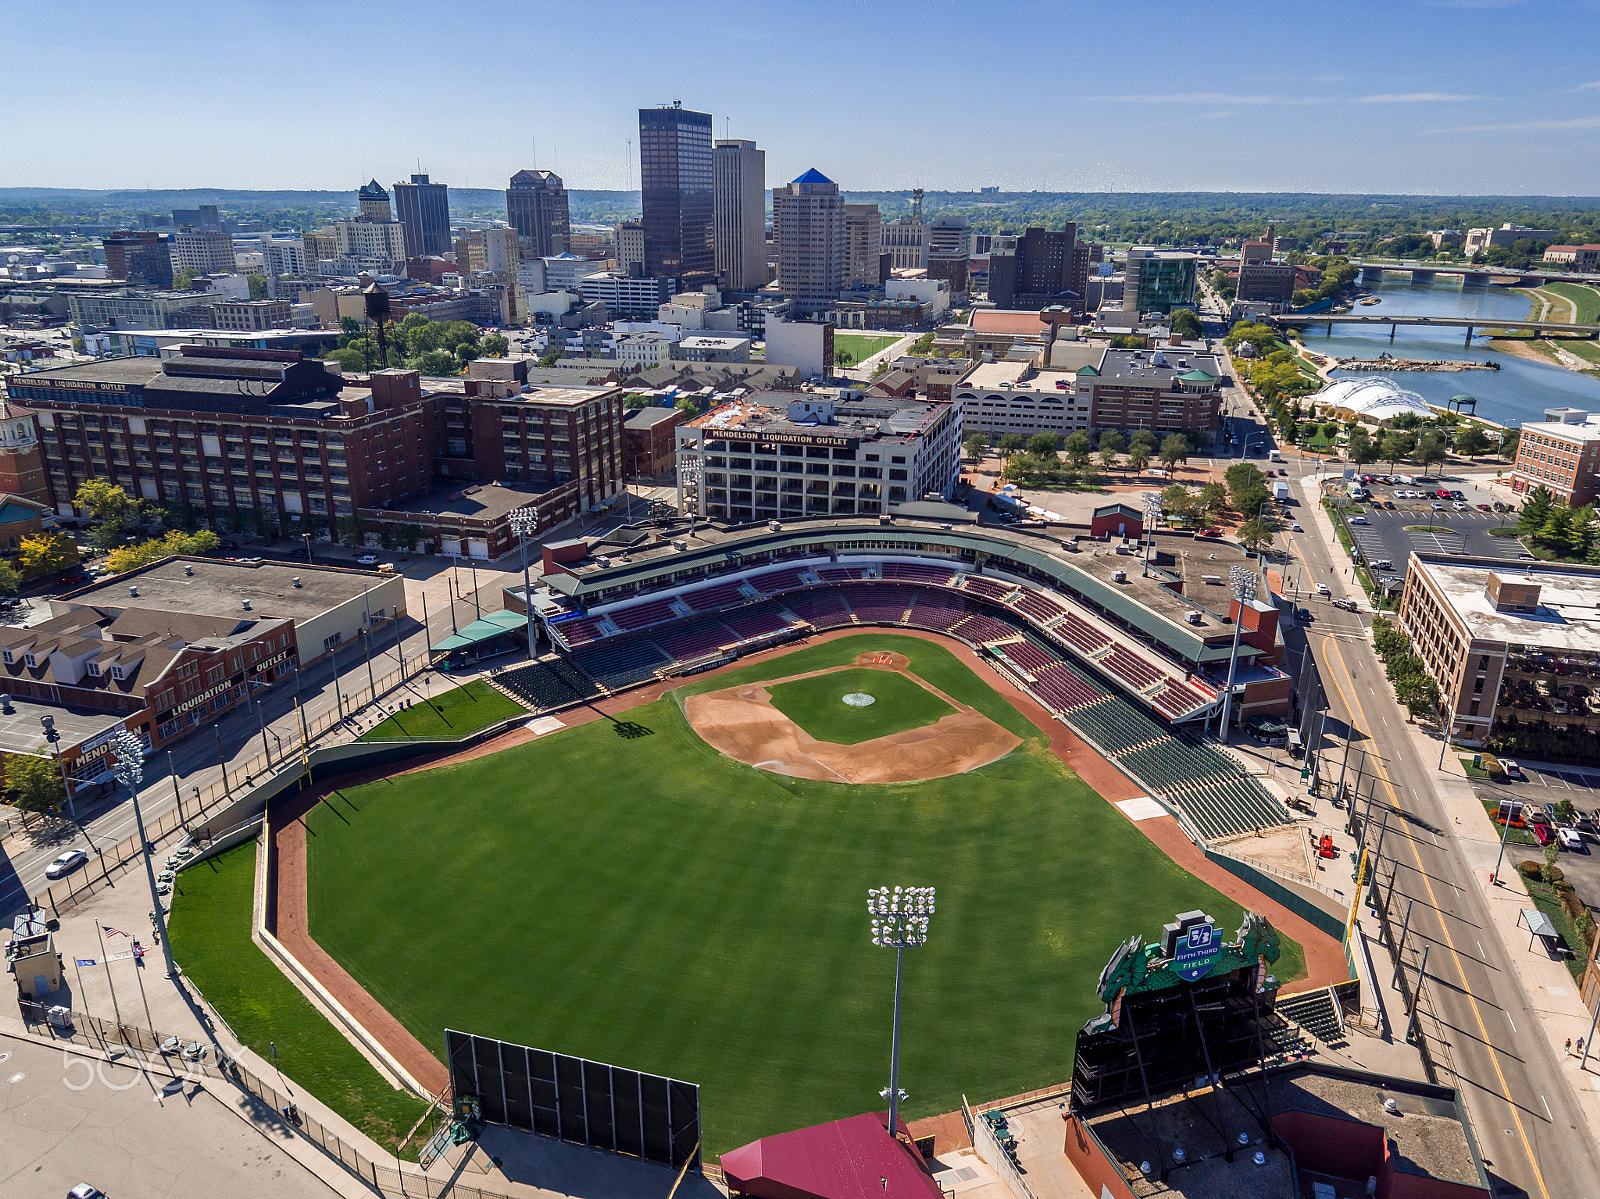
x=742, y=723
x=1324, y=955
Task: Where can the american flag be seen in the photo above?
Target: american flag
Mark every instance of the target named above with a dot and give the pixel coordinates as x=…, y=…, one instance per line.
x=115, y=932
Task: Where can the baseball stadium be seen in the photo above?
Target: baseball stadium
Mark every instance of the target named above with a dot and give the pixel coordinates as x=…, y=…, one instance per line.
x=658, y=870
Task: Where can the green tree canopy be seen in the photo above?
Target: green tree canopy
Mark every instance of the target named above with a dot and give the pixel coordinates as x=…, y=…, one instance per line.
x=1535, y=511
x=1471, y=441
x=1256, y=534
x=495, y=345
x=1430, y=448
x=1012, y=443
x=1044, y=444
x=1174, y=449
x=1185, y=323
x=1078, y=447
x=1361, y=448
x=975, y=446
x=34, y=783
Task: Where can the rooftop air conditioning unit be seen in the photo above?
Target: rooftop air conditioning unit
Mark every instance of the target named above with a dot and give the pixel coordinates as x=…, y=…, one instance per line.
x=1194, y=617
x=133, y=591
x=1119, y=576
x=297, y=581
x=187, y=569
x=1213, y=580
x=247, y=605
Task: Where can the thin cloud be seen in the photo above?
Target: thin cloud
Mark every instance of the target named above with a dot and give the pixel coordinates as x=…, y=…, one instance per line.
x=1588, y=87
x=1415, y=98
x=1526, y=126
x=1204, y=98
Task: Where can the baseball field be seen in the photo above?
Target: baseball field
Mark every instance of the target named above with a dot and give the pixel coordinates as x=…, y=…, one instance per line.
x=623, y=891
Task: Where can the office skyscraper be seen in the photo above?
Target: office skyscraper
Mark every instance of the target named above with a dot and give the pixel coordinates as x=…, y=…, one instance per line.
x=809, y=223
x=374, y=202
x=741, y=214
x=864, y=241
x=423, y=210
x=676, y=188
x=536, y=207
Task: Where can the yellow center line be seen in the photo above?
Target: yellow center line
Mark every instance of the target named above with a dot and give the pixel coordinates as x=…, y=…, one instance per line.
x=1328, y=643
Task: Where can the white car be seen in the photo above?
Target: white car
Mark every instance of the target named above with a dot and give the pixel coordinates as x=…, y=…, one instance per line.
x=1570, y=838
x=367, y=560
x=1460, y=506
x=66, y=863
x=1509, y=765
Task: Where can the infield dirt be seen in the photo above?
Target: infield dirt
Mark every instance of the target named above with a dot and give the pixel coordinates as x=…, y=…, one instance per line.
x=742, y=723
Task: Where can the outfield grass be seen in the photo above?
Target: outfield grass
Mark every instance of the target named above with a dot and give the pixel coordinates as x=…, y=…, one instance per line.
x=643, y=900
x=817, y=705
x=210, y=930
x=457, y=712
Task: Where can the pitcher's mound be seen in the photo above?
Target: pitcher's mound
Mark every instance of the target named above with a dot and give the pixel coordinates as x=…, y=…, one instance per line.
x=741, y=722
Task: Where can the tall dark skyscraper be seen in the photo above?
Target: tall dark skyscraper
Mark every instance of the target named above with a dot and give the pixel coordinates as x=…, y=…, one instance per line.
x=536, y=207
x=423, y=210
x=677, y=187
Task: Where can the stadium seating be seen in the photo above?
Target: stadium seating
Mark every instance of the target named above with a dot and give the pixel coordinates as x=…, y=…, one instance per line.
x=917, y=572
x=1028, y=657
x=988, y=588
x=823, y=609
x=581, y=631
x=978, y=628
x=621, y=662
x=642, y=616
x=840, y=574
x=1081, y=635
x=718, y=595
x=876, y=603
x=1038, y=606
x=1176, y=699
x=695, y=638
x=776, y=582
x=547, y=684
x=1134, y=671
x=1314, y=1011
x=758, y=620
x=936, y=609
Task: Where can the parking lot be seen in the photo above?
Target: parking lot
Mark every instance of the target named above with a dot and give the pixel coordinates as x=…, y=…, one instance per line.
x=1395, y=522
x=1541, y=785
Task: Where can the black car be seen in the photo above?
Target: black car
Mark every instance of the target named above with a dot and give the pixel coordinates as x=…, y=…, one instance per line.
x=1304, y=616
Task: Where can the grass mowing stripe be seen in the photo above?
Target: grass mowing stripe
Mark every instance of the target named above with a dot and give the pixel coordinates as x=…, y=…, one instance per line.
x=651, y=903
x=456, y=713
x=210, y=930
x=817, y=705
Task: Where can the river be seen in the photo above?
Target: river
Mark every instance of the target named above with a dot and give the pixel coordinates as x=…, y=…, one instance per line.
x=1519, y=391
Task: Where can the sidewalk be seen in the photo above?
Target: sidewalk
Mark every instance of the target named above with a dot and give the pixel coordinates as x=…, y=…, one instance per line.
x=1549, y=985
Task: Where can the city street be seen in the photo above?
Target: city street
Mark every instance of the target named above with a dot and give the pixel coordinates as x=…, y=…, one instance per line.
x=1534, y=1135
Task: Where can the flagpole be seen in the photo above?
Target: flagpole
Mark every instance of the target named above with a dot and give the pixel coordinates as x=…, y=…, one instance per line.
x=115, y=1007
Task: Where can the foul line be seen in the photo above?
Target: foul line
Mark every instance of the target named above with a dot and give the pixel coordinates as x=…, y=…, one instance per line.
x=1394, y=803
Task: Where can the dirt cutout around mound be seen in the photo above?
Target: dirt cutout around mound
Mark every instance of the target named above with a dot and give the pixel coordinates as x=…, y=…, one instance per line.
x=742, y=723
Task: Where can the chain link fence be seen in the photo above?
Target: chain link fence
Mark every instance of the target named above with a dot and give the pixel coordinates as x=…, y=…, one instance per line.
x=202, y=803
x=192, y=1061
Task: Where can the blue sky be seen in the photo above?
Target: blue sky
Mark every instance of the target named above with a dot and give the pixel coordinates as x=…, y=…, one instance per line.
x=1431, y=96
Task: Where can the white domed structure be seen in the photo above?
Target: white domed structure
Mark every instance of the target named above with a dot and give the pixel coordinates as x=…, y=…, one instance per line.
x=1373, y=398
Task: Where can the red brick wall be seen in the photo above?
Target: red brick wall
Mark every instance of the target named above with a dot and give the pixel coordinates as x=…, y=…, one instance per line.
x=1093, y=1166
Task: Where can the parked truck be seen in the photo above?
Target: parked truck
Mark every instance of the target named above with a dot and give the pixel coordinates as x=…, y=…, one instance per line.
x=1280, y=491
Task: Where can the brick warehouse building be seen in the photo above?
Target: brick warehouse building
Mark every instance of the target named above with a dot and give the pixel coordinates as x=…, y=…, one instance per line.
x=226, y=431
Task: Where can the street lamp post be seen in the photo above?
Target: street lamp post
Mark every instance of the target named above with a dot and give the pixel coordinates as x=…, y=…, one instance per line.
x=1152, y=517
x=129, y=771
x=899, y=921
x=1244, y=590
x=523, y=522
x=52, y=736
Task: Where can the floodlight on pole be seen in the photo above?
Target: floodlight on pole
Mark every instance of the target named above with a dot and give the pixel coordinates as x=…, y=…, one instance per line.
x=129, y=771
x=1244, y=590
x=899, y=922
x=1152, y=518
x=524, y=523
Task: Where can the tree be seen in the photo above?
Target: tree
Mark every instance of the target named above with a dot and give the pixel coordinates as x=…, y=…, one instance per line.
x=1244, y=479
x=465, y=353
x=843, y=358
x=550, y=357
x=439, y=363
x=1012, y=443
x=1138, y=457
x=1256, y=534
x=495, y=345
x=1077, y=447
x=1361, y=449
x=1214, y=498
x=1303, y=296
x=258, y=287
x=10, y=581
x=1535, y=511
x=410, y=535
x=1471, y=441
x=1143, y=438
x=1174, y=449
x=1418, y=692
x=1557, y=528
x=352, y=530
x=976, y=446
x=1508, y=444
x=1178, y=503
x=104, y=501
x=1044, y=445
x=175, y=542
x=1395, y=446
x=45, y=554
x=1185, y=323
x=1430, y=449
x=688, y=407
x=34, y=782
x=1330, y=430
x=1110, y=442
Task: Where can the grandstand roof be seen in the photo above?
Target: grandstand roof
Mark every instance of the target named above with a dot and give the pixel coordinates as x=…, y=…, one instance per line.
x=854, y=1158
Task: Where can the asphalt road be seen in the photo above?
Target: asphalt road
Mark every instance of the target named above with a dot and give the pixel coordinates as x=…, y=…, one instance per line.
x=1529, y=1126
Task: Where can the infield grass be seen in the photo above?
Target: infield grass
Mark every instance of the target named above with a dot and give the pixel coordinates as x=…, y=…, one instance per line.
x=817, y=704
x=861, y=346
x=210, y=930
x=456, y=713
x=623, y=892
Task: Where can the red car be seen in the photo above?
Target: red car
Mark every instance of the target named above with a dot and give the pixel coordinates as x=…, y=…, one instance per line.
x=1542, y=833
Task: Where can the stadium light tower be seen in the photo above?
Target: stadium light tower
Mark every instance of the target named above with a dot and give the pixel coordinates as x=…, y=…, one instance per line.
x=899, y=921
x=1244, y=590
x=129, y=771
x=524, y=521
x=1152, y=517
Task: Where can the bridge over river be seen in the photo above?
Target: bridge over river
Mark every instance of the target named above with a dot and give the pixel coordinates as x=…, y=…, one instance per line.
x=1541, y=328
